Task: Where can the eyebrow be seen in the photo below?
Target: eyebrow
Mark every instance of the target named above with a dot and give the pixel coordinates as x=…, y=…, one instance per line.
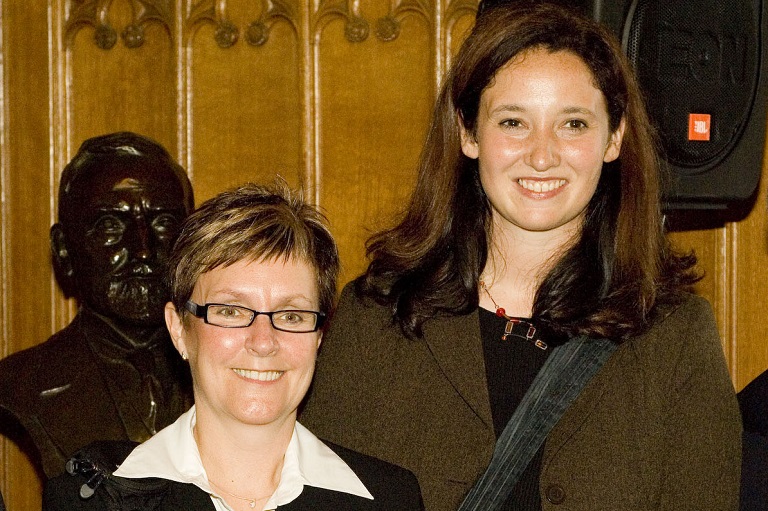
x=508, y=108
x=578, y=110
x=230, y=295
x=514, y=108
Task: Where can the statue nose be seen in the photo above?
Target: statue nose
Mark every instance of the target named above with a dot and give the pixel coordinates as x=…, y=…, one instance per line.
x=143, y=244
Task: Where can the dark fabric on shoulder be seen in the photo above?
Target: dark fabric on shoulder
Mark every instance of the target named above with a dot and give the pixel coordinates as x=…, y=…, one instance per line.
x=62, y=494
x=91, y=468
x=105, y=455
x=392, y=487
x=754, y=473
x=753, y=402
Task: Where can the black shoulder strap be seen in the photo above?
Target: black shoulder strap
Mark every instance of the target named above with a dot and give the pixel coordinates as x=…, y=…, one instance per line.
x=560, y=380
x=93, y=466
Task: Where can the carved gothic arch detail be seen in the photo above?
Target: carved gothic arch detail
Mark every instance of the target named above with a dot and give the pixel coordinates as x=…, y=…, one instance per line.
x=95, y=13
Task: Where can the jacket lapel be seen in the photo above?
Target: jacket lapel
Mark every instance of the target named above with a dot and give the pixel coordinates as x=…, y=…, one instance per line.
x=456, y=346
x=579, y=411
x=186, y=496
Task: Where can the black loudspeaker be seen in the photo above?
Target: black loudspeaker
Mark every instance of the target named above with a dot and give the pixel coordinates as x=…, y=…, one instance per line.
x=702, y=67
x=701, y=64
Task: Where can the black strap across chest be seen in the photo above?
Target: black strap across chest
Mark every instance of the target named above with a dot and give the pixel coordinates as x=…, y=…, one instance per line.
x=562, y=377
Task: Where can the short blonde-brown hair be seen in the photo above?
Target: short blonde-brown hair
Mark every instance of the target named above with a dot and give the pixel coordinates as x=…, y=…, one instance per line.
x=253, y=222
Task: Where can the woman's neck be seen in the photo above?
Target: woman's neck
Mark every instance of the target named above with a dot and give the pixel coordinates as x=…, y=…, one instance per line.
x=243, y=462
x=518, y=261
x=510, y=289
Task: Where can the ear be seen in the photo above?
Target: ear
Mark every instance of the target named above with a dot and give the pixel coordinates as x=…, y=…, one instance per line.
x=62, y=260
x=319, y=340
x=176, y=328
x=614, y=144
x=468, y=141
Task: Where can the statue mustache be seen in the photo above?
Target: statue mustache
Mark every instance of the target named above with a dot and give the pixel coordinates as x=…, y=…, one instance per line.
x=139, y=270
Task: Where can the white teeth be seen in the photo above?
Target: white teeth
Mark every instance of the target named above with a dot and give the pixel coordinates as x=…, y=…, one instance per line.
x=259, y=375
x=541, y=186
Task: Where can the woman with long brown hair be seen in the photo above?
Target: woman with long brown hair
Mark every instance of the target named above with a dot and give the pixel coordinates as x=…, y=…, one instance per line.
x=535, y=226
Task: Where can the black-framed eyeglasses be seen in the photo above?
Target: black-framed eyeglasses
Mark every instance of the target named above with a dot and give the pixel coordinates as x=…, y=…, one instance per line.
x=236, y=316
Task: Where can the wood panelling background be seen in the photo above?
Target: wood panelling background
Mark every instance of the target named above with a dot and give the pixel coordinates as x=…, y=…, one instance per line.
x=334, y=95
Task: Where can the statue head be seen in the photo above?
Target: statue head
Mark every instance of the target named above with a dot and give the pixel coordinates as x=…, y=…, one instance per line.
x=122, y=199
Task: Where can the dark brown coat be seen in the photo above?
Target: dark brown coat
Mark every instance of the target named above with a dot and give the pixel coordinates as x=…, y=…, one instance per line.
x=657, y=428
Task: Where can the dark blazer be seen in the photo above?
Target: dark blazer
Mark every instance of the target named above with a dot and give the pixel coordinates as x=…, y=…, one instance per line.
x=754, y=473
x=753, y=401
x=657, y=428
x=392, y=487
x=57, y=392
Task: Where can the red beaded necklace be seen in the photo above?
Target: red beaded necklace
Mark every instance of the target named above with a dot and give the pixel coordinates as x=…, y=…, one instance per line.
x=515, y=326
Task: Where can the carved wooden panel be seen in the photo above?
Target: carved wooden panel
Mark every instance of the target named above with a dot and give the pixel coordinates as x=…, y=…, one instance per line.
x=27, y=292
x=244, y=77
x=365, y=97
x=734, y=259
x=119, y=70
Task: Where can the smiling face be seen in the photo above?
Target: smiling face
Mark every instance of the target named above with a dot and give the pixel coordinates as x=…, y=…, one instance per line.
x=253, y=375
x=542, y=136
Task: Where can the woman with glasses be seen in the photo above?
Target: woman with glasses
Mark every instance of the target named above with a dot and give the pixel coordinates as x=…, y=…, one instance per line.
x=253, y=278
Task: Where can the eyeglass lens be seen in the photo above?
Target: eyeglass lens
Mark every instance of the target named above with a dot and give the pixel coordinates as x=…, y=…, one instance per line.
x=233, y=316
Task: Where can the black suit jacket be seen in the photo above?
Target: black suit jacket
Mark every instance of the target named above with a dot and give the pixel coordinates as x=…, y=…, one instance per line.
x=753, y=401
x=392, y=487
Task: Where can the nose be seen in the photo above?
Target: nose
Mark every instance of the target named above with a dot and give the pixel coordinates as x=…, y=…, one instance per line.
x=139, y=242
x=261, y=337
x=543, y=152
x=143, y=240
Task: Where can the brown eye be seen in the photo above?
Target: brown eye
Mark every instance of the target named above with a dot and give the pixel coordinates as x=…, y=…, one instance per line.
x=511, y=123
x=576, y=124
x=290, y=317
x=228, y=311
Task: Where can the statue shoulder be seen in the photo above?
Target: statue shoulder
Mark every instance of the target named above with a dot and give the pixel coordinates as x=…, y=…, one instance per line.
x=30, y=373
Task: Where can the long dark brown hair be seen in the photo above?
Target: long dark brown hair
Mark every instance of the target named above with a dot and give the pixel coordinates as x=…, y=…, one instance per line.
x=608, y=282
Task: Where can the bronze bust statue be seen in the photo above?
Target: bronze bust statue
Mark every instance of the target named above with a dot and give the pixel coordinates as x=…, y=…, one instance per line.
x=112, y=373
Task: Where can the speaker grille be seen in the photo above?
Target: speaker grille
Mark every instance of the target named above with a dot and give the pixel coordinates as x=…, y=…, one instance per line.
x=697, y=57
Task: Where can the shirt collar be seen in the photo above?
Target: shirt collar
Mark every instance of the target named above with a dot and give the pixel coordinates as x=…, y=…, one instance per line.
x=172, y=454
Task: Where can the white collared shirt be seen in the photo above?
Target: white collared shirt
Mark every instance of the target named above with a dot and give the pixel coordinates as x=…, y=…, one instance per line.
x=172, y=454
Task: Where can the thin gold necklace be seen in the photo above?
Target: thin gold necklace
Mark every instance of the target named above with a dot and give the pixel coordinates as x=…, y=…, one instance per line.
x=251, y=501
x=515, y=327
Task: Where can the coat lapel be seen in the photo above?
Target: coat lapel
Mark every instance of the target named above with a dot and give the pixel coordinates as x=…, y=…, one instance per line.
x=579, y=411
x=456, y=346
